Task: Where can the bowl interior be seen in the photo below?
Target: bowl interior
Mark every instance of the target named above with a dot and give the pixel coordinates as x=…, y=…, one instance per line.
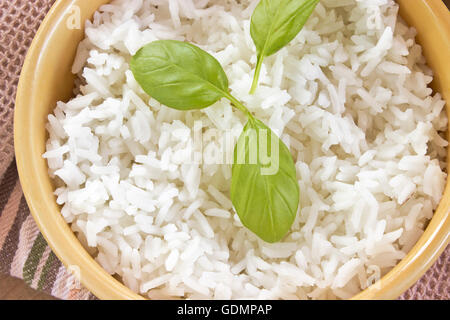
x=46, y=78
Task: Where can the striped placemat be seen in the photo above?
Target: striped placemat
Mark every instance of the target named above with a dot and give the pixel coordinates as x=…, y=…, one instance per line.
x=23, y=250
x=24, y=253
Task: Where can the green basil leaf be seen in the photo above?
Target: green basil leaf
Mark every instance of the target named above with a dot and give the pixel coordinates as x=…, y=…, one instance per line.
x=179, y=74
x=264, y=188
x=275, y=23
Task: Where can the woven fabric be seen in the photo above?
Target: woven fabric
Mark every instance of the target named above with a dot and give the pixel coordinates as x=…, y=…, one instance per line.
x=23, y=250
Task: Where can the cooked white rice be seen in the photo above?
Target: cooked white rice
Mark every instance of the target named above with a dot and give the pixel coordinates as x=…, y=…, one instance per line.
x=350, y=97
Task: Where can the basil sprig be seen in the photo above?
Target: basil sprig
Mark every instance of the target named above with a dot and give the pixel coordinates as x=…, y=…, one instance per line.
x=264, y=189
x=274, y=24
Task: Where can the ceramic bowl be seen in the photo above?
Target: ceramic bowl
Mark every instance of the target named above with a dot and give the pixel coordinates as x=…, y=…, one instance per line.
x=46, y=78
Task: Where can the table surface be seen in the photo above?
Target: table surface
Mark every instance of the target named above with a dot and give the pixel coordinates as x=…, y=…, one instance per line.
x=16, y=289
